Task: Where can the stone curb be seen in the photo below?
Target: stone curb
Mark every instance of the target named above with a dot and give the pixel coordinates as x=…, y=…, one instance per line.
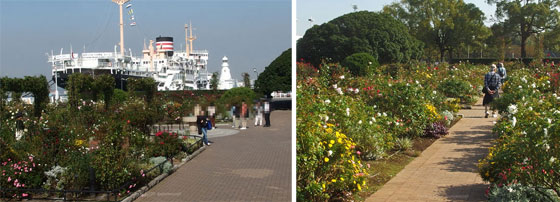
x=159, y=178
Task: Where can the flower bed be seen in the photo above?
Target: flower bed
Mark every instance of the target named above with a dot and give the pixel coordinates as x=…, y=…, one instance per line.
x=527, y=151
x=376, y=113
x=82, y=147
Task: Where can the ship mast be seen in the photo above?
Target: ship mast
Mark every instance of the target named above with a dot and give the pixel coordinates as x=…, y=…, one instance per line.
x=189, y=40
x=120, y=3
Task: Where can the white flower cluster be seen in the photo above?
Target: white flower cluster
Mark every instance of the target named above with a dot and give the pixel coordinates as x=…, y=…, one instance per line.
x=512, y=109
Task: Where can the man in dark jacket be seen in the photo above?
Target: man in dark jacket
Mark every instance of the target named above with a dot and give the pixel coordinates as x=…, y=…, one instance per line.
x=201, y=122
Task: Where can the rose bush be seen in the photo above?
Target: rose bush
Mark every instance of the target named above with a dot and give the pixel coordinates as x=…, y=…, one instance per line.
x=528, y=149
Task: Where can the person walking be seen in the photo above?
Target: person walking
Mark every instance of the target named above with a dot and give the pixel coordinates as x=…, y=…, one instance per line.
x=232, y=114
x=259, y=116
x=244, y=115
x=266, y=109
x=236, y=114
x=502, y=72
x=201, y=122
x=492, y=83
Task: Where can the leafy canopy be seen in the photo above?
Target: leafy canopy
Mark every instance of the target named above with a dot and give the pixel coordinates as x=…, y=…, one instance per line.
x=377, y=34
x=277, y=76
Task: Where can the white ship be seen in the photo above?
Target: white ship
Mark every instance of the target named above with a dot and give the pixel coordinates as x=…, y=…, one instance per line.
x=172, y=70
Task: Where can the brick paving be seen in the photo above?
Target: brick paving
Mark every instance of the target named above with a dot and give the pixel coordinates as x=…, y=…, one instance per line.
x=446, y=171
x=252, y=165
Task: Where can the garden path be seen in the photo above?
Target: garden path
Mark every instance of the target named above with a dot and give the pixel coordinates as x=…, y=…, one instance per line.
x=447, y=170
x=252, y=165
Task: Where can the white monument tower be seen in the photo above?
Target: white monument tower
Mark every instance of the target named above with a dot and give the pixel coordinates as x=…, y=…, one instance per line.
x=225, y=82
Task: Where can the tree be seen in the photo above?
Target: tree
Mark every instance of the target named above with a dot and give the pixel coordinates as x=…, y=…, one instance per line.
x=527, y=17
x=246, y=79
x=214, y=81
x=277, y=76
x=237, y=95
x=442, y=25
x=377, y=34
x=360, y=64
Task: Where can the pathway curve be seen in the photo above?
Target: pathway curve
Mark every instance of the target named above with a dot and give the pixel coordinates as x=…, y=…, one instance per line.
x=447, y=170
x=252, y=165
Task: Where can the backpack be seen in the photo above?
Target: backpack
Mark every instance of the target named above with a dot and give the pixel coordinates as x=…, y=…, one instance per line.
x=209, y=125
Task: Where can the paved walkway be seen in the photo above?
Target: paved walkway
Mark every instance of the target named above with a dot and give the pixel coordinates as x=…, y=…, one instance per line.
x=447, y=170
x=252, y=165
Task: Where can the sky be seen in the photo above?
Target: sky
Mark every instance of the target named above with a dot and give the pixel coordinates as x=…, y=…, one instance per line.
x=322, y=11
x=251, y=33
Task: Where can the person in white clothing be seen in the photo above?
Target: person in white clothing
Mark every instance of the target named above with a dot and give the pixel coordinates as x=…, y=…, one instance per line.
x=259, y=116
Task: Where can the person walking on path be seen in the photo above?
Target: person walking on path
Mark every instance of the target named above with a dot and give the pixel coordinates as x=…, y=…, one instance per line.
x=502, y=72
x=237, y=115
x=201, y=122
x=266, y=114
x=492, y=83
x=244, y=116
x=259, y=116
x=232, y=113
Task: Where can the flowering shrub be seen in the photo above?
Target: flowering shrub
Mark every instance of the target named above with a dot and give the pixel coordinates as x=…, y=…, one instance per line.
x=328, y=164
x=517, y=192
x=377, y=114
x=458, y=88
x=527, y=150
x=165, y=144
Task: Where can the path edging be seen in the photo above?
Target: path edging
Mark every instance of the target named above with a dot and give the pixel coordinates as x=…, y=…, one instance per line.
x=159, y=178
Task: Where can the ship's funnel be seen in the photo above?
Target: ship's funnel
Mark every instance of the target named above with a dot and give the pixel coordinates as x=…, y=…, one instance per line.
x=165, y=44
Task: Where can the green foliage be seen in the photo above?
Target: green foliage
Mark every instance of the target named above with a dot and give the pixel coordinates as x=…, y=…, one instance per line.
x=517, y=192
x=214, y=81
x=235, y=96
x=403, y=143
x=166, y=144
x=104, y=84
x=458, y=88
x=146, y=85
x=380, y=35
x=360, y=64
x=527, y=150
x=79, y=88
x=246, y=79
x=277, y=76
x=442, y=25
x=528, y=17
x=119, y=96
x=38, y=86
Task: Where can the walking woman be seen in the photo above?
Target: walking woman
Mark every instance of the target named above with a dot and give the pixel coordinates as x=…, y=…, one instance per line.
x=492, y=83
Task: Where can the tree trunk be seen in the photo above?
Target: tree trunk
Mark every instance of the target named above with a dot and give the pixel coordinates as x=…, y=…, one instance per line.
x=523, y=44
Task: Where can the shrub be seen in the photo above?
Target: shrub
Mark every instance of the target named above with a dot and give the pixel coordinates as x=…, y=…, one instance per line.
x=166, y=144
x=360, y=64
x=435, y=130
x=517, y=192
x=403, y=144
x=458, y=88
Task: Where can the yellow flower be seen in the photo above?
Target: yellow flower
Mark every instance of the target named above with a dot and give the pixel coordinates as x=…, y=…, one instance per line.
x=323, y=185
x=330, y=145
x=326, y=159
x=329, y=130
x=333, y=180
x=487, y=174
x=340, y=140
x=79, y=142
x=332, y=141
x=330, y=125
x=341, y=179
x=359, y=187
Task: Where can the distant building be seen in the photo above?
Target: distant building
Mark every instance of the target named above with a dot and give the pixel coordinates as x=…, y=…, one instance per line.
x=225, y=82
